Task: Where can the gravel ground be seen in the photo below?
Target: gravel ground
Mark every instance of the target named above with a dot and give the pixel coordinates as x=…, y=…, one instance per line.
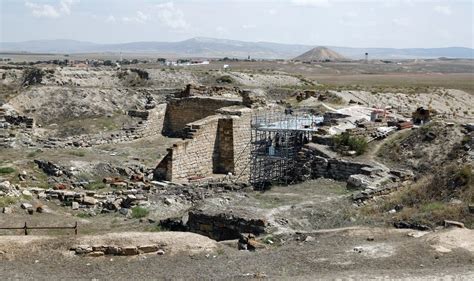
x=343, y=254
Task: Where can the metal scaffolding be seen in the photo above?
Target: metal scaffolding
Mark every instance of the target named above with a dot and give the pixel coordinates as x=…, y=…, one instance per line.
x=276, y=139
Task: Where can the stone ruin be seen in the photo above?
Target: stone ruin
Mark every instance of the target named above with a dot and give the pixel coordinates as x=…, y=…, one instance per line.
x=12, y=123
x=215, y=133
x=144, y=123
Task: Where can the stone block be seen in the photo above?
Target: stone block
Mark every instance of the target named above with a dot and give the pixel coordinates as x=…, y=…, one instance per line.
x=129, y=251
x=147, y=248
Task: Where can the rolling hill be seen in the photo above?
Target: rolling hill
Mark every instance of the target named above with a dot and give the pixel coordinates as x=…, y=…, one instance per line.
x=211, y=47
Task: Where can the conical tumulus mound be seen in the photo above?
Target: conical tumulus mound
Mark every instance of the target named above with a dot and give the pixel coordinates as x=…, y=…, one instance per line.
x=320, y=54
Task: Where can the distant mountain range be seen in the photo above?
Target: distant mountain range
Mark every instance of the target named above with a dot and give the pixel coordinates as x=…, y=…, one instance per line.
x=218, y=48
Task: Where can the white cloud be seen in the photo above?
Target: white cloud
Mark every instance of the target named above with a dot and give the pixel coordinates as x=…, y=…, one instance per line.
x=314, y=3
x=401, y=21
x=445, y=10
x=110, y=19
x=50, y=11
x=272, y=11
x=171, y=16
x=65, y=6
x=139, y=17
x=249, y=26
x=397, y=3
x=351, y=14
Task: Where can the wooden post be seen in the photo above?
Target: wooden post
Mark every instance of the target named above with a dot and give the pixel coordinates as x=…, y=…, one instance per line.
x=26, y=229
x=75, y=229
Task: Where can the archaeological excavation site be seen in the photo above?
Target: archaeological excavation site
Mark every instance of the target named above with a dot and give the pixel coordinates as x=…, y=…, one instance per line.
x=264, y=169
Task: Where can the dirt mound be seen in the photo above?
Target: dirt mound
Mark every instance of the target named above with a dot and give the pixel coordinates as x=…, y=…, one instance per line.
x=449, y=104
x=171, y=242
x=447, y=240
x=57, y=104
x=424, y=149
x=320, y=54
x=262, y=80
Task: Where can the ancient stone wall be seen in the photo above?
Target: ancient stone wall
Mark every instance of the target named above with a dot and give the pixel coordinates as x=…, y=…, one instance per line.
x=194, y=156
x=182, y=111
x=153, y=124
x=335, y=168
x=223, y=226
x=241, y=144
x=310, y=165
x=215, y=144
x=223, y=160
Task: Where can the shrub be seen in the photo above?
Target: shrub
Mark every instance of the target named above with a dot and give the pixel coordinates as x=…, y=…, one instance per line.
x=225, y=79
x=6, y=170
x=143, y=74
x=32, y=76
x=139, y=212
x=358, y=144
x=94, y=186
x=464, y=175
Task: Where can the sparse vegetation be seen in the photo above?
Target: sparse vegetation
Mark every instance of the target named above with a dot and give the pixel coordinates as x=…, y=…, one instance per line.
x=139, y=212
x=94, y=186
x=83, y=215
x=155, y=228
x=78, y=153
x=32, y=76
x=6, y=170
x=358, y=144
x=433, y=198
x=225, y=79
x=33, y=154
x=6, y=201
x=143, y=74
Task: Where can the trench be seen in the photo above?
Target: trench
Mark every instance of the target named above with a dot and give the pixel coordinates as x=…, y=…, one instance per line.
x=219, y=226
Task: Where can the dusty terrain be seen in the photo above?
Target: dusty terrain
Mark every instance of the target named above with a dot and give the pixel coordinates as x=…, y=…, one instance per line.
x=314, y=229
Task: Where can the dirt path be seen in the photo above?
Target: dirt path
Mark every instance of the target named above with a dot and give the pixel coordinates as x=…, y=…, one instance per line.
x=345, y=253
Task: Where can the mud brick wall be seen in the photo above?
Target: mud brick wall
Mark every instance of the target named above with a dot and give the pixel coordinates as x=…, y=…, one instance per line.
x=181, y=112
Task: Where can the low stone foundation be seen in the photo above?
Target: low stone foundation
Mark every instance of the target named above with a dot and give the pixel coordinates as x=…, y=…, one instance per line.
x=223, y=226
x=311, y=165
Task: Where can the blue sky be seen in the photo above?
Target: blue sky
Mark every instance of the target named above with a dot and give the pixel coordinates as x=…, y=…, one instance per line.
x=364, y=23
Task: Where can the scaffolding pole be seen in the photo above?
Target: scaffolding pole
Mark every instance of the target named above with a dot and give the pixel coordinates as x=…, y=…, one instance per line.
x=276, y=139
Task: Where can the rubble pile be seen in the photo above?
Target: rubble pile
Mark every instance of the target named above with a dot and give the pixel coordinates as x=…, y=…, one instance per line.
x=120, y=194
x=150, y=122
x=13, y=125
x=202, y=90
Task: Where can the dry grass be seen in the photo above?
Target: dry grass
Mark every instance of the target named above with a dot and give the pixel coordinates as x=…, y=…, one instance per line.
x=401, y=82
x=432, y=199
